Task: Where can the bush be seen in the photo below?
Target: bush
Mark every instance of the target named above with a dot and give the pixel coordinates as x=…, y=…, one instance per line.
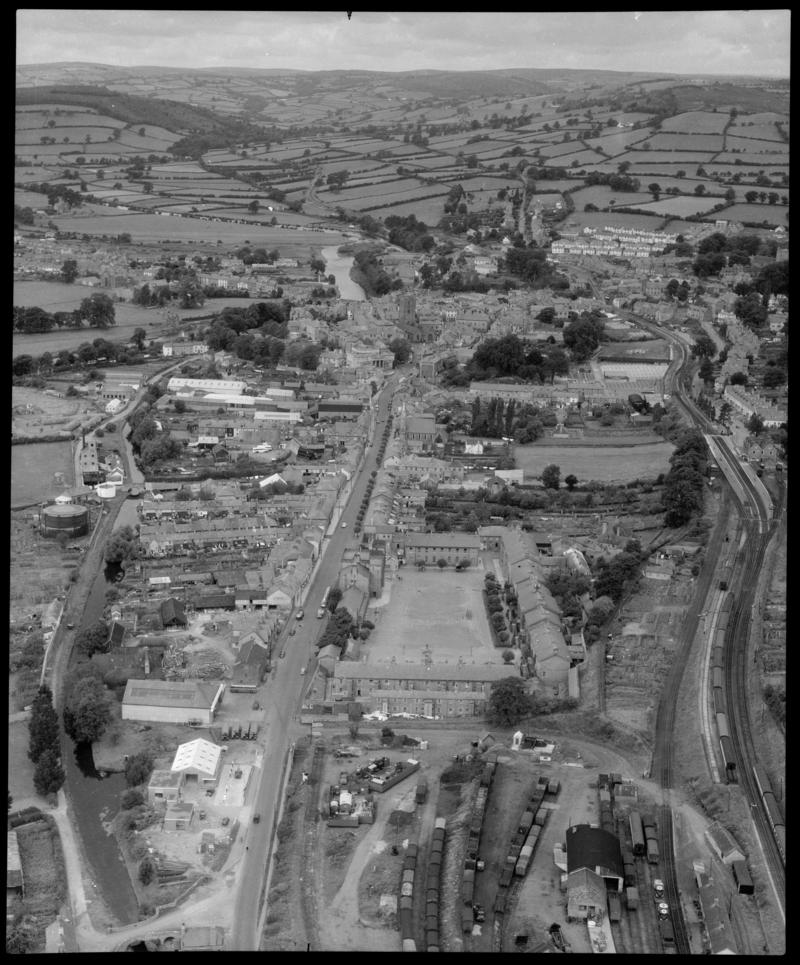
x=138, y=769
x=132, y=798
x=147, y=871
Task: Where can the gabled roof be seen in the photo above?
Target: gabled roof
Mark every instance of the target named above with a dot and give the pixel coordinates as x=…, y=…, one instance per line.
x=593, y=848
x=197, y=755
x=172, y=611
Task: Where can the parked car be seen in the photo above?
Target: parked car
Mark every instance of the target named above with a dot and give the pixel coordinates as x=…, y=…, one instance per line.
x=299, y=615
x=344, y=525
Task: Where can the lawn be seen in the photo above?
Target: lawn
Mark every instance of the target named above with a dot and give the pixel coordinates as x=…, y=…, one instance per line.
x=441, y=609
x=618, y=464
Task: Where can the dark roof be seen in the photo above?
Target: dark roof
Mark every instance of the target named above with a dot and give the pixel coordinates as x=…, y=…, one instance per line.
x=593, y=848
x=215, y=601
x=172, y=612
x=117, y=634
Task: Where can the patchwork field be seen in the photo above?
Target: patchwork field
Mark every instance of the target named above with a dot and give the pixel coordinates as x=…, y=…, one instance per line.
x=771, y=213
x=440, y=609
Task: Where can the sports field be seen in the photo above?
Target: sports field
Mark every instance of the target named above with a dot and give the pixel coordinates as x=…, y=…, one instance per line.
x=440, y=609
x=603, y=464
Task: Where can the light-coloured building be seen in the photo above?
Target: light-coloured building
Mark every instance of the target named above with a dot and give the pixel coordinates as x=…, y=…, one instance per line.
x=171, y=701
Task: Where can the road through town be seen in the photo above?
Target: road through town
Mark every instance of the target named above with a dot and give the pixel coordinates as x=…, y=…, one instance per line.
x=286, y=688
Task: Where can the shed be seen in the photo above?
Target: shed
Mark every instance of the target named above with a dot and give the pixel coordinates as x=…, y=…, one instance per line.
x=178, y=816
x=597, y=850
x=722, y=843
x=14, y=879
x=172, y=613
x=164, y=787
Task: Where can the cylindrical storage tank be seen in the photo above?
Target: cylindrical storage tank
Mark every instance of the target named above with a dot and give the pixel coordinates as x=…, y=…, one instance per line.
x=69, y=519
x=106, y=490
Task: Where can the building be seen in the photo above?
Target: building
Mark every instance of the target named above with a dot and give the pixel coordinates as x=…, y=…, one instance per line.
x=172, y=614
x=722, y=843
x=599, y=851
x=164, y=787
x=199, y=762
x=429, y=548
x=427, y=689
x=172, y=701
x=586, y=895
x=15, y=883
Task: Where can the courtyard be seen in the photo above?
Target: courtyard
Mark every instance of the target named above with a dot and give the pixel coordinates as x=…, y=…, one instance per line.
x=435, y=613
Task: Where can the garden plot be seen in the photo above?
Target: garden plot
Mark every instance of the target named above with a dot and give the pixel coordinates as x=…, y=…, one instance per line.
x=601, y=464
x=437, y=609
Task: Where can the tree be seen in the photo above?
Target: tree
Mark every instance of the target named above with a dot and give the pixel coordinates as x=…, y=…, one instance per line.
x=755, y=424
x=94, y=639
x=334, y=597
x=700, y=189
x=508, y=656
x=98, y=310
x=138, y=768
x=87, y=711
x=773, y=377
x=441, y=562
x=69, y=271
x=43, y=725
x=138, y=338
x=402, y=350
x=123, y=544
x=254, y=206
x=551, y=476
x=147, y=870
x=508, y=702
x=571, y=481
x=48, y=775
x=706, y=370
x=738, y=378
x=704, y=347
x=751, y=310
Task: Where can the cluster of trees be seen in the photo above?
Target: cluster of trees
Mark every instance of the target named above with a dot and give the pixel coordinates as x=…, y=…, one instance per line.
x=256, y=333
x=683, y=484
x=567, y=588
x=509, y=702
x=619, y=573
x=718, y=250
x=96, y=311
x=775, y=699
x=532, y=267
x=44, y=744
x=617, y=182
x=340, y=627
x=401, y=348
x=409, y=233
x=511, y=356
x=498, y=419
x=87, y=710
x=93, y=639
x=123, y=544
x=583, y=334
x=494, y=605
x=150, y=443
x=369, y=273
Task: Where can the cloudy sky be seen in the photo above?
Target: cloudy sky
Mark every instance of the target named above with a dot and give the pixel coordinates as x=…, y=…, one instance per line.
x=749, y=42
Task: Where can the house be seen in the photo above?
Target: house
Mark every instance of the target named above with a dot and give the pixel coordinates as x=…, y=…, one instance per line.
x=171, y=701
x=199, y=761
x=429, y=548
x=327, y=657
x=164, y=787
x=116, y=635
x=172, y=614
x=251, y=667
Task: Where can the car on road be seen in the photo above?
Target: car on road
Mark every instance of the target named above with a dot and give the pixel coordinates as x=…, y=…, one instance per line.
x=283, y=653
x=293, y=631
x=256, y=818
x=302, y=671
x=344, y=525
x=299, y=615
x=70, y=626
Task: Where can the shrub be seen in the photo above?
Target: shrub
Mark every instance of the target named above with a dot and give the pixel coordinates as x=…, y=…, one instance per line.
x=138, y=769
x=132, y=798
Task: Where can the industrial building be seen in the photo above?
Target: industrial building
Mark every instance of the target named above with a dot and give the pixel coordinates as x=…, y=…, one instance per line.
x=171, y=701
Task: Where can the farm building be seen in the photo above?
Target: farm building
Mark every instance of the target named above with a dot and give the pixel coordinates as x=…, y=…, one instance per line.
x=251, y=666
x=199, y=763
x=171, y=701
x=597, y=850
x=164, y=787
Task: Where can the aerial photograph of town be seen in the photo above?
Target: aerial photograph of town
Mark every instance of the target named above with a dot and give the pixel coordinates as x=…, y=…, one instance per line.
x=399, y=438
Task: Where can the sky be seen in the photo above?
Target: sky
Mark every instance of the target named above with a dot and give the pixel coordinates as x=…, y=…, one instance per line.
x=740, y=42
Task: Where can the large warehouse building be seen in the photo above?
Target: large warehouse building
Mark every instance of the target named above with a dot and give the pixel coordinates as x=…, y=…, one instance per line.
x=172, y=701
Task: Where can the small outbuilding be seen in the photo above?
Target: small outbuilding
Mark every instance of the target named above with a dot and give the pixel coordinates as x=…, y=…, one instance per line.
x=178, y=816
x=172, y=613
x=164, y=787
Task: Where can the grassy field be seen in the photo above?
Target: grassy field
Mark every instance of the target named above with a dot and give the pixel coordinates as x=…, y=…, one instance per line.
x=32, y=469
x=696, y=122
x=678, y=207
x=441, y=609
x=773, y=214
x=600, y=464
x=597, y=219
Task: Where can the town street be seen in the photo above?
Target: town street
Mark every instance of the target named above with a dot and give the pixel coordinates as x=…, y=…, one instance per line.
x=286, y=688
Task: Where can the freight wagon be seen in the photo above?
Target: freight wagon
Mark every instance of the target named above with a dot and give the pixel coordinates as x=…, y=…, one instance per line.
x=637, y=834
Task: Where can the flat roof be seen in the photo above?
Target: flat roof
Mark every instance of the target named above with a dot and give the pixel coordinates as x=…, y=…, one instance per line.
x=417, y=671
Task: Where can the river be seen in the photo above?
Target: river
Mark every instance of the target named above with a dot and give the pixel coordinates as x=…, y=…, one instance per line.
x=94, y=799
x=339, y=266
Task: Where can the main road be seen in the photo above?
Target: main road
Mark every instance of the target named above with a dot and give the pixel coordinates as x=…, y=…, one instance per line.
x=293, y=673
